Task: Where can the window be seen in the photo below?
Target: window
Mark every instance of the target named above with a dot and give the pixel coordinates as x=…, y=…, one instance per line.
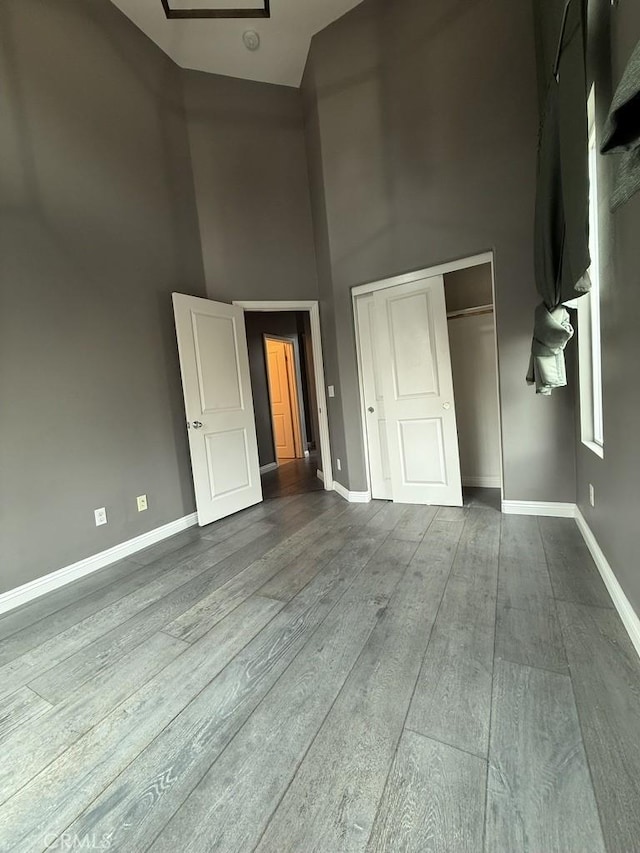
x=589, y=346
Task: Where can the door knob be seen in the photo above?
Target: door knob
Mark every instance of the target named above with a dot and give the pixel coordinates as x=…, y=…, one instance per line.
x=371, y=409
x=446, y=405
x=197, y=424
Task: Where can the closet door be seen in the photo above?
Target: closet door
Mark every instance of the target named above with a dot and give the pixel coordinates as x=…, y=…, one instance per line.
x=374, y=412
x=417, y=385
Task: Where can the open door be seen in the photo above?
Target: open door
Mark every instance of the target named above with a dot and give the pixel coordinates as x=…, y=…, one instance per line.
x=214, y=364
x=283, y=395
x=417, y=387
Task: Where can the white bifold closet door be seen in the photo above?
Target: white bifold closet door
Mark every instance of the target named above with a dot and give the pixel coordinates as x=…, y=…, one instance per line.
x=214, y=363
x=408, y=394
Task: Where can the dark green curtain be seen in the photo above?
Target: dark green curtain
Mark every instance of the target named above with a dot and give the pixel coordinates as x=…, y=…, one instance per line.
x=562, y=201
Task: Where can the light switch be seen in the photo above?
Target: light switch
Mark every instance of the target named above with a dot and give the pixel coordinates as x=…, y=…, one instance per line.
x=332, y=391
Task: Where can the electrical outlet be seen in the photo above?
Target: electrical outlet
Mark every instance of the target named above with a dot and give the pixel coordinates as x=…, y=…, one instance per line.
x=142, y=503
x=338, y=465
x=100, y=516
x=331, y=390
x=592, y=495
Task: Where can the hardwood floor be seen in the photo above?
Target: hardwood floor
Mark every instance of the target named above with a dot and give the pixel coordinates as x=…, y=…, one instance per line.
x=294, y=477
x=312, y=675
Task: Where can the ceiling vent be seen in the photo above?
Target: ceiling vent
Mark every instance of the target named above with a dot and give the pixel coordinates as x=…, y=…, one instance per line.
x=182, y=9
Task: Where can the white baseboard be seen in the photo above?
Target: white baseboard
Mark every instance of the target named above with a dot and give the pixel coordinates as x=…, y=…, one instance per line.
x=270, y=466
x=629, y=617
x=352, y=497
x=482, y=482
x=545, y=508
x=320, y=475
x=35, y=588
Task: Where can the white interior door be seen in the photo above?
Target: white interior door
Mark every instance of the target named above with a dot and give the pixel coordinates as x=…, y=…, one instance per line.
x=214, y=363
x=376, y=426
x=417, y=385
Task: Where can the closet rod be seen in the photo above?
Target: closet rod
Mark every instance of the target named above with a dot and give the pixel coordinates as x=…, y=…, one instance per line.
x=470, y=312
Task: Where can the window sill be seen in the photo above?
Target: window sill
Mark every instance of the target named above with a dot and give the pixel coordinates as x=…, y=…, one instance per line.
x=598, y=449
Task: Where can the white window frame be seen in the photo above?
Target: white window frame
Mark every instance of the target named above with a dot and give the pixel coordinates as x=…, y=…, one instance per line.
x=589, y=340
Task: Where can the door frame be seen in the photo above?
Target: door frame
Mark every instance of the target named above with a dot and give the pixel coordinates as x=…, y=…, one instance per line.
x=406, y=278
x=297, y=375
x=313, y=309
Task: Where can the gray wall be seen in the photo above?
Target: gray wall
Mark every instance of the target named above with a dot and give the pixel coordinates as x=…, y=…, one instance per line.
x=97, y=227
x=614, y=520
x=250, y=170
x=422, y=128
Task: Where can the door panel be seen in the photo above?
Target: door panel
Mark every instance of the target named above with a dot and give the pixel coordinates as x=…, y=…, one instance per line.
x=415, y=366
x=415, y=363
x=420, y=467
x=215, y=344
x=214, y=365
x=380, y=474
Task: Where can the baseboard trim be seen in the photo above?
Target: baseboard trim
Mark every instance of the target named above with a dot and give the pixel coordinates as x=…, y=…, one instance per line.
x=482, y=482
x=352, y=497
x=320, y=475
x=542, y=508
x=270, y=466
x=627, y=614
x=35, y=588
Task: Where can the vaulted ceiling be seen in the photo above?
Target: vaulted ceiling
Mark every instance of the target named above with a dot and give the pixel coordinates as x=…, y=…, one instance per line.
x=215, y=44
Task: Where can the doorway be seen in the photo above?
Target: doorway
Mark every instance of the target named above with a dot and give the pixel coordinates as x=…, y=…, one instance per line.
x=287, y=379
x=427, y=364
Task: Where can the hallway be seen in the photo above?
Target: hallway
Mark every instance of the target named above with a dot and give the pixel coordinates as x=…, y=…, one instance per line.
x=297, y=477
x=313, y=675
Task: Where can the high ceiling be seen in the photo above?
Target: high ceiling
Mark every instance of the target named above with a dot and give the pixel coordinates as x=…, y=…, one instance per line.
x=216, y=45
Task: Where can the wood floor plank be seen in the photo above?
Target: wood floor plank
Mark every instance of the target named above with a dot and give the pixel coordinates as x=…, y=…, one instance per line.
x=528, y=629
x=288, y=582
x=434, y=800
x=183, y=540
x=539, y=790
x=20, y=708
x=230, y=526
x=292, y=703
x=531, y=637
x=389, y=515
x=225, y=580
x=32, y=635
x=29, y=666
x=46, y=605
x=236, y=797
x=182, y=587
x=32, y=747
x=452, y=700
x=478, y=550
x=574, y=575
x=68, y=625
x=523, y=583
x=451, y=513
x=332, y=801
x=520, y=540
x=55, y=797
x=414, y=523
x=208, y=611
x=146, y=795
x=605, y=671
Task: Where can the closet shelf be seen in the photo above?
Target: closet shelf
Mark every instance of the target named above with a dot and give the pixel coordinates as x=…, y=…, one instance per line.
x=469, y=312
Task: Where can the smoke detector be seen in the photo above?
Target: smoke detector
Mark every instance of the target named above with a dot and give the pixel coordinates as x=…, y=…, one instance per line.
x=251, y=40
